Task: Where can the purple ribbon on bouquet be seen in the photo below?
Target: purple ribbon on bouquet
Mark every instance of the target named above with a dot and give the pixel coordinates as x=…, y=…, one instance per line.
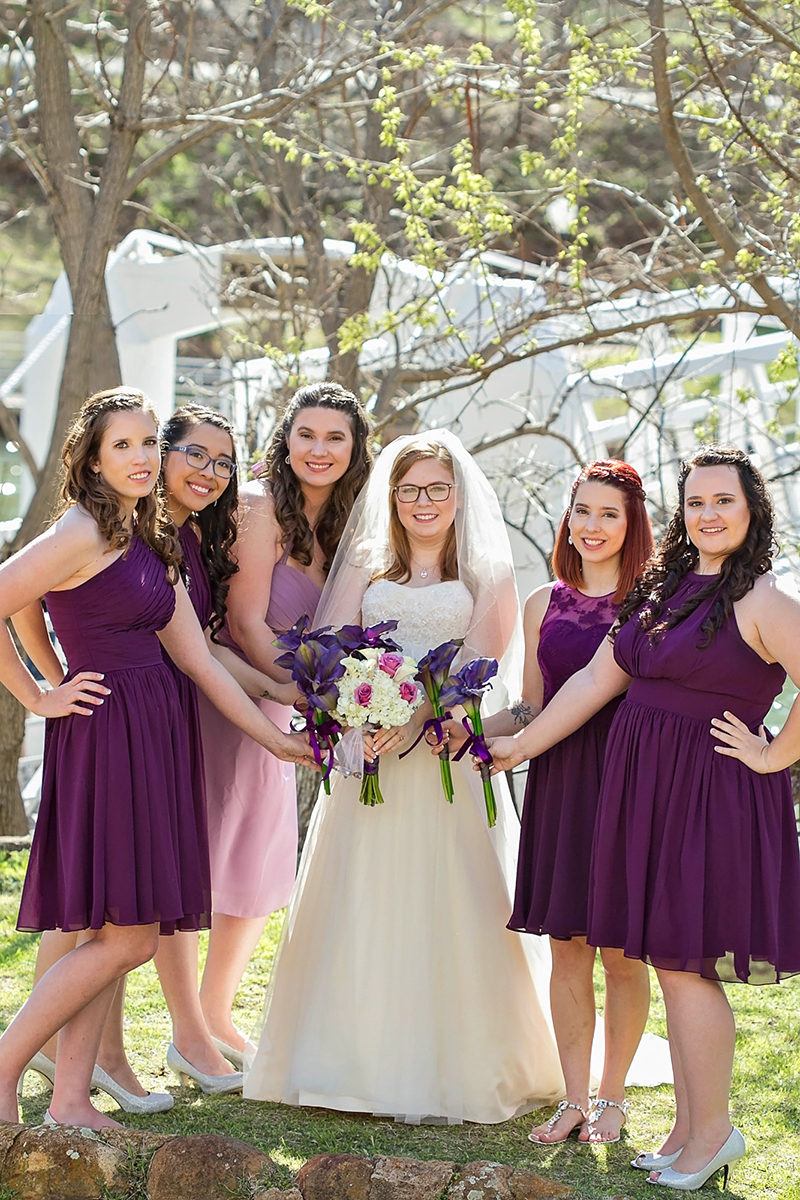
x=475, y=744
x=320, y=735
x=434, y=723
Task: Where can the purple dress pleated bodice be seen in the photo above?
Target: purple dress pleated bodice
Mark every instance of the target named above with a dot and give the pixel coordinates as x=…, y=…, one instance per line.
x=116, y=837
x=563, y=783
x=695, y=862
x=251, y=798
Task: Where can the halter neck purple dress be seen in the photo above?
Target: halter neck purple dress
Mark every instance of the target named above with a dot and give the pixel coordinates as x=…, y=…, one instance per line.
x=116, y=838
x=563, y=783
x=251, y=799
x=695, y=863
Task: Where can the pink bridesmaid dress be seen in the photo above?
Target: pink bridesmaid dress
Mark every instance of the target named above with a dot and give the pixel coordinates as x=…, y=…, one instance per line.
x=252, y=805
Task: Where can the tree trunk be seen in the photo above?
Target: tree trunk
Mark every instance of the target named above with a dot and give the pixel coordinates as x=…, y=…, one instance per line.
x=12, y=728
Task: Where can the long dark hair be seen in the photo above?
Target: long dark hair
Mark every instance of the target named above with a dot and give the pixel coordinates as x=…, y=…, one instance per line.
x=81, y=484
x=400, y=568
x=638, y=544
x=676, y=555
x=216, y=522
x=286, y=491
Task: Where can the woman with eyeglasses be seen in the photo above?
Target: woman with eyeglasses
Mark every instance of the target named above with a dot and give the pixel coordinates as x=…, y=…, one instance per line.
x=201, y=498
x=291, y=519
x=398, y=990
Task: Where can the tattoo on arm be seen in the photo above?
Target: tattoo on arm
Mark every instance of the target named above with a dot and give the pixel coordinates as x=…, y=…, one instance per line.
x=522, y=713
x=267, y=695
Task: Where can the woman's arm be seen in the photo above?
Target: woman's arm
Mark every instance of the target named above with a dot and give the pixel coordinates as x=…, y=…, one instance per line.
x=584, y=694
x=769, y=621
x=257, y=551
x=185, y=644
x=31, y=629
x=255, y=683
x=50, y=561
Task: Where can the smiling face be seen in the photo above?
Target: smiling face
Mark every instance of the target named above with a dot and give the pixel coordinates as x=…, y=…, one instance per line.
x=128, y=459
x=716, y=514
x=320, y=447
x=598, y=522
x=189, y=489
x=426, y=521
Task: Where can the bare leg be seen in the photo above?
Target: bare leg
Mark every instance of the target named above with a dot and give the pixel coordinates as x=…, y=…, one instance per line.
x=680, y=1130
x=78, y=1044
x=230, y=948
x=53, y=945
x=111, y=1054
x=702, y=1028
x=625, y=1016
x=572, y=1006
x=71, y=984
x=176, y=963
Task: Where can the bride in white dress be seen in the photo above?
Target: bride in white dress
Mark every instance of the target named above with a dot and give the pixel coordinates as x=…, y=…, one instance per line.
x=397, y=989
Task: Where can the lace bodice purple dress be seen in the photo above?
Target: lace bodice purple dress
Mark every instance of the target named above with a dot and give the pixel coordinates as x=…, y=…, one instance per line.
x=563, y=783
x=695, y=864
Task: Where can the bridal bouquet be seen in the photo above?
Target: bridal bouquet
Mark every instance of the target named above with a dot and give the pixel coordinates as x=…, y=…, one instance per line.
x=376, y=691
x=466, y=688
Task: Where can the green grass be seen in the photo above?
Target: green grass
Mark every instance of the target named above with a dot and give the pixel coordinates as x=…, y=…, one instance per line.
x=766, y=1089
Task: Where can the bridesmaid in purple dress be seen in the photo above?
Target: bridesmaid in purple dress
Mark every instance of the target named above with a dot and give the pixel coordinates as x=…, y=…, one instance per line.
x=117, y=854
x=603, y=541
x=291, y=521
x=704, y=641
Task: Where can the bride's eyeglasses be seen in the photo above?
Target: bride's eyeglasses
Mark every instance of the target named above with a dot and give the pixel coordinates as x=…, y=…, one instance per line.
x=408, y=493
x=197, y=458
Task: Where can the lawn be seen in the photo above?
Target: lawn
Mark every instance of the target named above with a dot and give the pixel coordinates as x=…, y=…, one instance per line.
x=766, y=1089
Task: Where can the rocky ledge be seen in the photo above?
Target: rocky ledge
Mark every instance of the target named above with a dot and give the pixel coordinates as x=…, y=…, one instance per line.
x=43, y=1163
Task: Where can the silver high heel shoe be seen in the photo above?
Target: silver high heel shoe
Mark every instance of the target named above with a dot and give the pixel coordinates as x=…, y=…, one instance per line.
x=212, y=1085
x=654, y=1162
x=153, y=1102
x=43, y=1066
x=233, y=1055
x=729, y=1153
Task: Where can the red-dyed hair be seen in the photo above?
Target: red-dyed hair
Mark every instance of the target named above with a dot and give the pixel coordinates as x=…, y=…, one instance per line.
x=638, y=544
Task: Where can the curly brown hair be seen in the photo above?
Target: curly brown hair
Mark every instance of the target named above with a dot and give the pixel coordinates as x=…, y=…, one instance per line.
x=82, y=485
x=286, y=491
x=675, y=556
x=216, y=523
x=400, y=568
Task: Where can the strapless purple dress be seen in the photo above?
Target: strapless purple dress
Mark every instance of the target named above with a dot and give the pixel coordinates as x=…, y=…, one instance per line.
x=251, y=797
x=563, y=783
x=116, y=838
x=695, y=864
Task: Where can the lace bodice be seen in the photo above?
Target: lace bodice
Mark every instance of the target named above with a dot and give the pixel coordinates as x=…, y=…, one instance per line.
x=427, y=616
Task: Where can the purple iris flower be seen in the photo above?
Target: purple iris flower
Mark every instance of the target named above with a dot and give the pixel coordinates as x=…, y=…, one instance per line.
x=470, y=682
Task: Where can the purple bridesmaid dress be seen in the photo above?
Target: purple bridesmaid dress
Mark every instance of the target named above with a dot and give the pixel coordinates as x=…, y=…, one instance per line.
x=695, y=863
x=563, y=783
x=251, y=798
x=116, y=838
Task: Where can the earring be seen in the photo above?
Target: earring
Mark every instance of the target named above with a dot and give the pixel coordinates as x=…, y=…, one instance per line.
x=569, y=539
x=288, y=460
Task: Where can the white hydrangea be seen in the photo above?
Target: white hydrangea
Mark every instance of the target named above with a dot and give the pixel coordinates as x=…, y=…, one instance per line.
x=370, y=693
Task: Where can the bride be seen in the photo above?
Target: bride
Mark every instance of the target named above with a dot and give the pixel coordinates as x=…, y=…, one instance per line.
x=397, y=989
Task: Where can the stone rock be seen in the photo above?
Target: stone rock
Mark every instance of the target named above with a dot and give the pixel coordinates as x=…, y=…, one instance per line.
x=409, y=1179
x=527, y=1185
x=335, y=1177
x=481, y=1181
x=142, y=1142
x=273, y=1193
x=204, y=1167
x=71, y=1164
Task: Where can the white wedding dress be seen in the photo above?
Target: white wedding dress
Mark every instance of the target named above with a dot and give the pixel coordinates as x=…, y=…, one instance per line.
x=397, y=989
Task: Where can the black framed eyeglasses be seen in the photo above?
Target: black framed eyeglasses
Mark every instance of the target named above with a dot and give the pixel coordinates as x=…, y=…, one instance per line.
x=199, y=459
x=409, y=493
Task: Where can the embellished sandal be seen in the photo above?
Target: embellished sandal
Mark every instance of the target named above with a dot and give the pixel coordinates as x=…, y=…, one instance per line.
x=556, y=1117
x=599, y=1106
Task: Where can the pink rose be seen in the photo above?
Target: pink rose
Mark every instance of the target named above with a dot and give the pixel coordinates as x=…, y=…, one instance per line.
x=363, y=695
x=390, y=663
x=408, y=691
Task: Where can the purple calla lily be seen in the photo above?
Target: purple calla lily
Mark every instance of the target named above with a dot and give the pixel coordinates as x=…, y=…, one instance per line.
x=470, y=682
x=353, y=638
